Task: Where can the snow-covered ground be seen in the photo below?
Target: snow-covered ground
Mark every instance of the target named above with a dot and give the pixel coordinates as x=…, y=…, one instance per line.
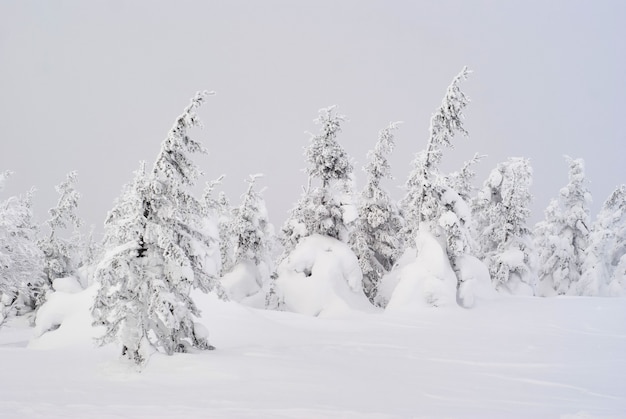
x=508, y=357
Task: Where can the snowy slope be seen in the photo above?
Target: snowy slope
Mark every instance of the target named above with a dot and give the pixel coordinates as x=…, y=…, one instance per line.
x=509, y=357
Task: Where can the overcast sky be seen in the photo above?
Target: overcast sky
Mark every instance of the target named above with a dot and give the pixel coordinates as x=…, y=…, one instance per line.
x=94, y=86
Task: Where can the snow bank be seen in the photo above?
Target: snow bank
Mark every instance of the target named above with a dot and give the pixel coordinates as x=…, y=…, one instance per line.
x=320, y=277
x=65, y=318
x=428, y=281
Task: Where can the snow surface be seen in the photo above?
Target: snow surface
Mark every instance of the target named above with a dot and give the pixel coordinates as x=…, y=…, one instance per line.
x=517, y=357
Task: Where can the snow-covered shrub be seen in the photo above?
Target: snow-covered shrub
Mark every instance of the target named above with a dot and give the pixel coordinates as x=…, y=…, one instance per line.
x=428, y=281
x=321, y=276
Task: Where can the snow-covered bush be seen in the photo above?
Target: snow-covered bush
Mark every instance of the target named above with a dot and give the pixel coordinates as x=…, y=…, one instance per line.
x=321, y=276
x=428, y=281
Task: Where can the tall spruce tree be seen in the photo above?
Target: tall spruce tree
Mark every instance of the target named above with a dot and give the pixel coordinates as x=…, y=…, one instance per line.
x=160, y=247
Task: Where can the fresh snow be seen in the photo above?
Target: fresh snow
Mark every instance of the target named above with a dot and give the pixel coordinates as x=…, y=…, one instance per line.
x=507, y=357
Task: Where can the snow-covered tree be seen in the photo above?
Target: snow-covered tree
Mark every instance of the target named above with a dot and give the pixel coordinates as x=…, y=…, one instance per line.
x=561, y=239
x=254, y=241
x=430, y=199
x=159, y=246
x=22, y=281
x=501, y=214
x=62, y=254
x=376, y=239
x=605, y=257
x=220, y=209
x=326, y=209
x=252, y=230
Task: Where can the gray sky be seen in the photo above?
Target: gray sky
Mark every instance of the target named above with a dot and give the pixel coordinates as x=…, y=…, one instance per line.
x=94, y=86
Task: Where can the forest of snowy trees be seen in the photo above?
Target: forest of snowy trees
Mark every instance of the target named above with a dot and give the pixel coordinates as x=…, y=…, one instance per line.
x=448, y=241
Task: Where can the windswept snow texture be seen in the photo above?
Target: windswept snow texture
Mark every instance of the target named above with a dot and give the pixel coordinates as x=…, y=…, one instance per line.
x=509, y=357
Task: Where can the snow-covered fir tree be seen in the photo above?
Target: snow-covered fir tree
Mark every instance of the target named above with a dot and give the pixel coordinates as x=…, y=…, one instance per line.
x=604, y=271
x=376, y=240
x=561, y=239
x=501, y=213
x=22, y=280
x=326, y=209
x=254, y=241
x=63, y=254
x=220, y=209
x=430, y=202
x=159, y=246
x=252, y=230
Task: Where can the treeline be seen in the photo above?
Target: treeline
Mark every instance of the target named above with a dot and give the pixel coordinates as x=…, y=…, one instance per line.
x=161, y=242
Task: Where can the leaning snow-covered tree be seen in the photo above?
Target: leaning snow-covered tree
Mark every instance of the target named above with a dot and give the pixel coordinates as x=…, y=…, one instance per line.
x=376, y=239
x=561, y=239
x=326, y=209
x=62, y=254
x=430, y=202
x=605, y=257
x=501, y=213
x=159, y=246
x=22, y=280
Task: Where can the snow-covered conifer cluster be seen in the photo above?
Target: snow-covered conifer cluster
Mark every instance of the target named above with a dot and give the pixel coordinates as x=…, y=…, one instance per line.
x=447, y=242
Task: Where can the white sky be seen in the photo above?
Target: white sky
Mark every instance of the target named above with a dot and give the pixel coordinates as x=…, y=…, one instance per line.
x=95, y=86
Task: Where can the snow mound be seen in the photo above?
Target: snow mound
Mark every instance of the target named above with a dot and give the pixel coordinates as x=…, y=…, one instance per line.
x=65, y=318
x=427, y=282
x=244, y=284
x=321, y=277
x=475, y=281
